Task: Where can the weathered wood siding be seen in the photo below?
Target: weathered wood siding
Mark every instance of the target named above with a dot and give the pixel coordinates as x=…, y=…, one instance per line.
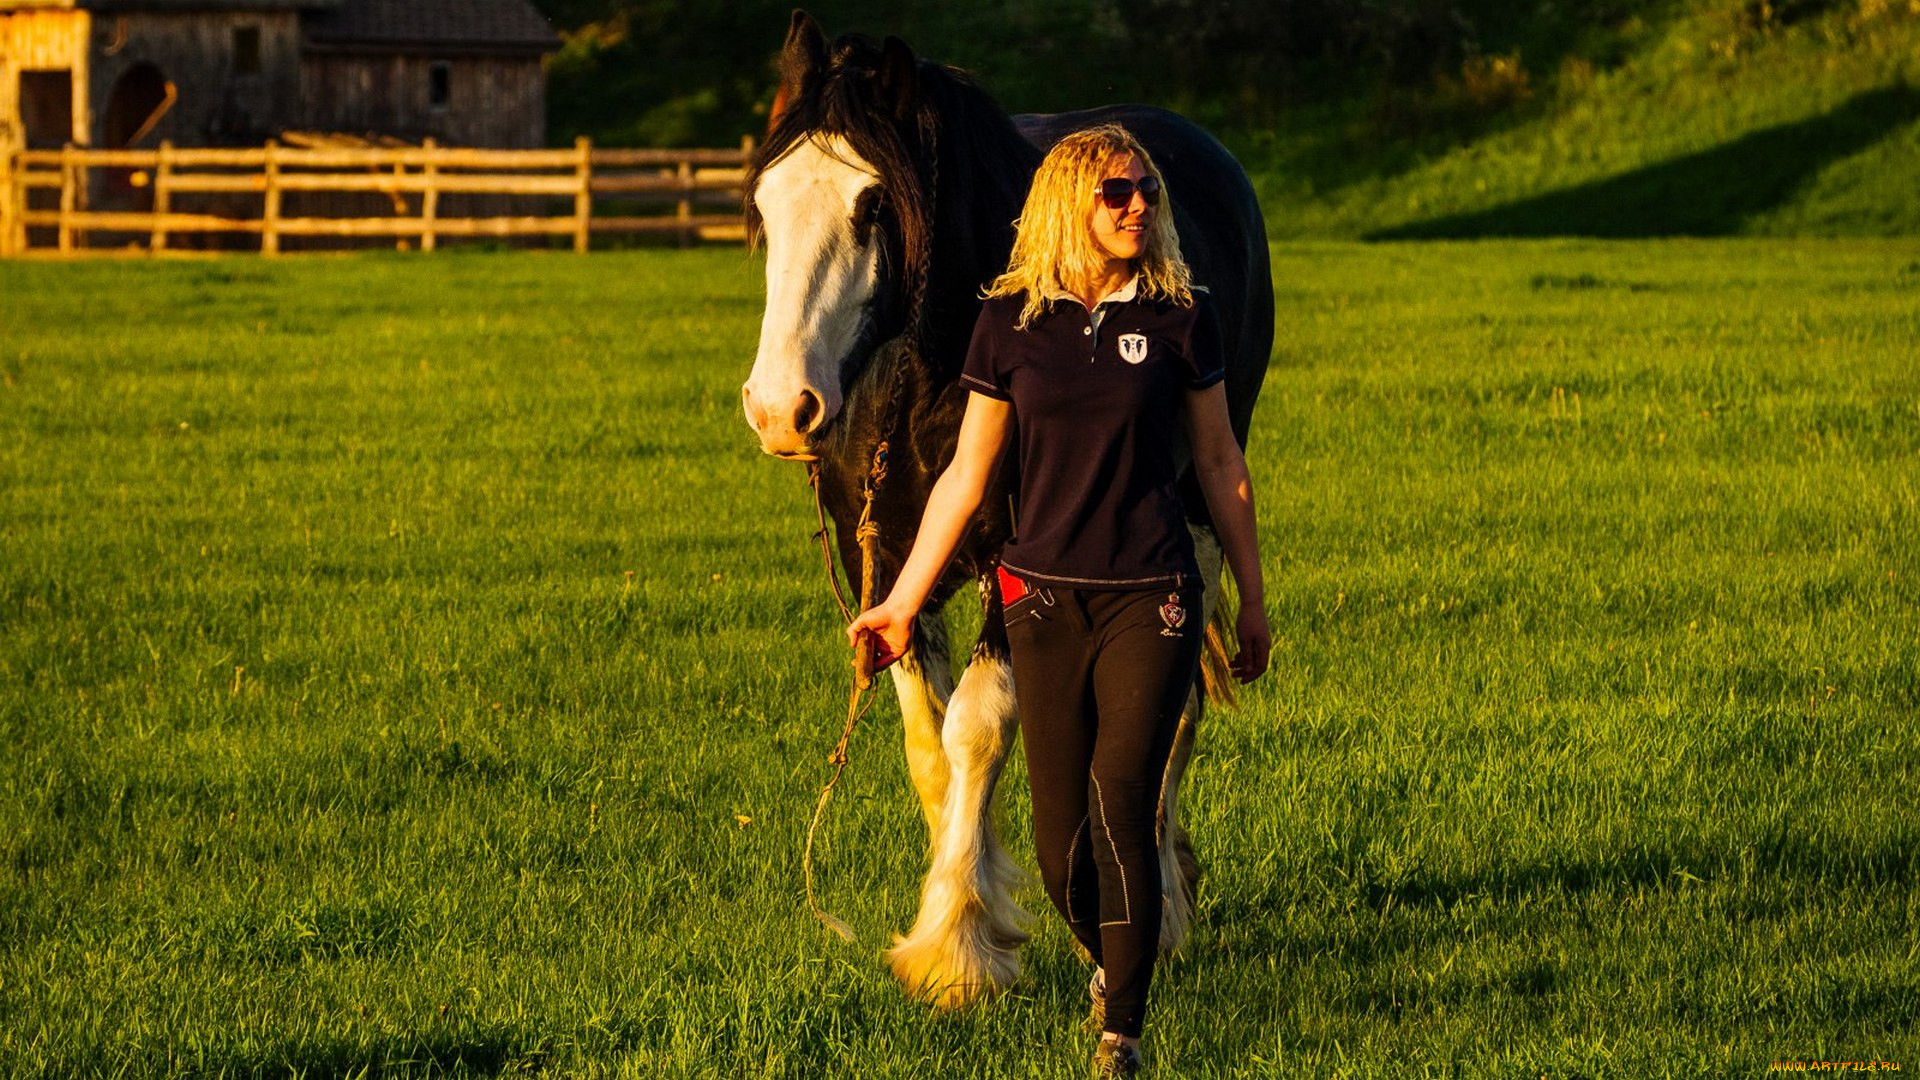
x=218, y=105
x=492, y=101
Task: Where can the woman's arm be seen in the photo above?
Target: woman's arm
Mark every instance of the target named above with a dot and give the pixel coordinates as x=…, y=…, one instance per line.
x=1229, y=489
x=950, y=509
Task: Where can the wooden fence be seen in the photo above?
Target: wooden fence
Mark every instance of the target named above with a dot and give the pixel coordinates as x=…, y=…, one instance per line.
x=679, y=194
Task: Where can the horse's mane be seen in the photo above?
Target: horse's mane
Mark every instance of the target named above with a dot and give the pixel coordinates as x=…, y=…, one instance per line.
x=950, y=154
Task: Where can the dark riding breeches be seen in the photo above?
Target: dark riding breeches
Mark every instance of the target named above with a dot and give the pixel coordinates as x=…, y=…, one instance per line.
x=1100, y=679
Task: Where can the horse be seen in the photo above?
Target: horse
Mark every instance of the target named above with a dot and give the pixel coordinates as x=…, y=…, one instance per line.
x=885, y=194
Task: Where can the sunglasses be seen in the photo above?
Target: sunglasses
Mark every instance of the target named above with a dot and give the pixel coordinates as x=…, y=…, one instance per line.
x=1117, y=191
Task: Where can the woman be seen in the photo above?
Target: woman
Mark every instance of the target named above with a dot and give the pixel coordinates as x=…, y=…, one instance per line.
x=1093, y=347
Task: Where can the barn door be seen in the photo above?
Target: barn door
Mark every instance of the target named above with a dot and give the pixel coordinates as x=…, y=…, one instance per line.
x=46, y=108
x=46, y=123
x=140, y=98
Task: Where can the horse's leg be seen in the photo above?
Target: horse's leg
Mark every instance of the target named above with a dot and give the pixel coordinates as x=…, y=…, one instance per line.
x=1179, y=868
x=923, y=679
x=963, y=943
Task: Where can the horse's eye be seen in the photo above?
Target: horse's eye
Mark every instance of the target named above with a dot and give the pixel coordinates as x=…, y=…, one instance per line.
x=866, y=212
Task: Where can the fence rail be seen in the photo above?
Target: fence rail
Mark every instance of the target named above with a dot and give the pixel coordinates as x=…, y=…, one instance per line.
x=679, y=194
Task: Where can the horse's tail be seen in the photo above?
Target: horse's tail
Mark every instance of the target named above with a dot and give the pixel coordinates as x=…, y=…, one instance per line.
x=1216, y=654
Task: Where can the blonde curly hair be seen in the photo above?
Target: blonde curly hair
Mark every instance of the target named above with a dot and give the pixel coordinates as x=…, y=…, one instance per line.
x=1053, y=246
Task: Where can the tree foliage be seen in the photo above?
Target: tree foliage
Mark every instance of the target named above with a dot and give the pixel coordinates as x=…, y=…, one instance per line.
x=669, y=72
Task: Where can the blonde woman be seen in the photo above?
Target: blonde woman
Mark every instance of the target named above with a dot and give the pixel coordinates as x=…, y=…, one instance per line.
x=1091, y=351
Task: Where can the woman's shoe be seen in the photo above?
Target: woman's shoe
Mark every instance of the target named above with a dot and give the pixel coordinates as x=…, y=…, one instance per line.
x=1114, y=1058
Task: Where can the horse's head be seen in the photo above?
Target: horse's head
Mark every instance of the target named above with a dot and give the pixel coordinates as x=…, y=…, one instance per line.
x=840, y=197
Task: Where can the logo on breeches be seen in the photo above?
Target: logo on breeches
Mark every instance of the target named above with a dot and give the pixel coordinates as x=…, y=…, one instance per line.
x=1173, y=615
x=1133, y=348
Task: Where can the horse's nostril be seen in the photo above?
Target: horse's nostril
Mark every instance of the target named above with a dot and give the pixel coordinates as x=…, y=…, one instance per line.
x=807, y=413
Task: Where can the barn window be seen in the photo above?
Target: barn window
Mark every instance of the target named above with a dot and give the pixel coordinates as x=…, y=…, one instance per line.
x=246, y=50
x=439, y=83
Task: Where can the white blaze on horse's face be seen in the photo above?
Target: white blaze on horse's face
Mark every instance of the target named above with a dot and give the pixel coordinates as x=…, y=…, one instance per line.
x=820, y=278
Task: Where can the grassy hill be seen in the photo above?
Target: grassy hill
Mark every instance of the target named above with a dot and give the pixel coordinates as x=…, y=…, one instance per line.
x=1408, y=119
x=1711, y=124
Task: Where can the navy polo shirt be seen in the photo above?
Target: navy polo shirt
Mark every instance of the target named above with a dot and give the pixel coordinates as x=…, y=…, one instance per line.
x=1098, y=403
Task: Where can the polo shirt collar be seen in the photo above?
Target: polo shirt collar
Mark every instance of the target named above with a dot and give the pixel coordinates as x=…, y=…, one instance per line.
x=1122, y=295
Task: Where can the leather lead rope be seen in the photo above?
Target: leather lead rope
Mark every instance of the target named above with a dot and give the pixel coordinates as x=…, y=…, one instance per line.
x=867, y=535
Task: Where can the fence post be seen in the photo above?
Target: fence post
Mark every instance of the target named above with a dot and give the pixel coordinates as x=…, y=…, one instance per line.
x=429, y=198
x=684, y=212
x=270, y=216
x=18, y=230
x=401, y=208
x=69, y=198
x=162, y=195
x=583, y=195
x=6, y=194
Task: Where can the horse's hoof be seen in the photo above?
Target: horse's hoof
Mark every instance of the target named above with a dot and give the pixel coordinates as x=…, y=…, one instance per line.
x=952, y=970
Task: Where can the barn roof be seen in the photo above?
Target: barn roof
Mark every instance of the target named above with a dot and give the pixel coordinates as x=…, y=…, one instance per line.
x=372, y=25
x=171, y=5
x=452, y=25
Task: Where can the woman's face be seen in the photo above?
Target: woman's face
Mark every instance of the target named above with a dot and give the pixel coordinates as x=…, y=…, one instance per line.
x=1122, y=233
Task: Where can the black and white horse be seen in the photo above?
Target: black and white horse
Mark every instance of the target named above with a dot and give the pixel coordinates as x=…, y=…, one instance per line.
x=885, y=195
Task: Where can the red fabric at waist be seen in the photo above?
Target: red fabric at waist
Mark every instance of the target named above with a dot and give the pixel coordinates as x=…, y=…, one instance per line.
x=1012, y=587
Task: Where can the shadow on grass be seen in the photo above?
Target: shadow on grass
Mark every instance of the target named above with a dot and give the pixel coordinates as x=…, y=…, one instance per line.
x=437, y=1054
x=1686, y=902
x=1779, y=855
x=1766, y=870
x=1706, y=194
x=1767, y=873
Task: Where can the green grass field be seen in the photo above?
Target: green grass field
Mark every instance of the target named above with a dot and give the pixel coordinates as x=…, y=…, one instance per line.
x=409, y=666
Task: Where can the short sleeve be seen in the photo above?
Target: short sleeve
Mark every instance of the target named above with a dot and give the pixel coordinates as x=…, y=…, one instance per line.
x=1205, y=362
x=981, y=373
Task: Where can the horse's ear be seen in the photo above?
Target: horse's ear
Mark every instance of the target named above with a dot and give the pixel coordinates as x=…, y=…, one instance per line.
x=801, y=61
x=899, y=77
x=806, y=49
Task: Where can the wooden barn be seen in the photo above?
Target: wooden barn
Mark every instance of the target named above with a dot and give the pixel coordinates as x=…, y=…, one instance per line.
x=465, y=72
x=120, y=73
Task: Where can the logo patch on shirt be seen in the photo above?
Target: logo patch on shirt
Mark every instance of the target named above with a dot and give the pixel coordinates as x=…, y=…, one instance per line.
x=1133, y=347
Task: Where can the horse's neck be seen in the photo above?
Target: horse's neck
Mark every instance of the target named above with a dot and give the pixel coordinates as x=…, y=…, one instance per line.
x=985, y=168
x=903, y=400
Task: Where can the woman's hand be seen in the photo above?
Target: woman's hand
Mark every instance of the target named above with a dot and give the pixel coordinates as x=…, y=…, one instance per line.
x=950, y=509
x=892, y=626
x=1256, y=643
